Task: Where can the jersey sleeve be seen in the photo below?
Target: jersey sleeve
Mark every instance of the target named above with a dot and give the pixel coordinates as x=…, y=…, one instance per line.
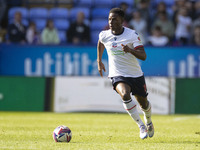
x=136, y=40
x=101, y=37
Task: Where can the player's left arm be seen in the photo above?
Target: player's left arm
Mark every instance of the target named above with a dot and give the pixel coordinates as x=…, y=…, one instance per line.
x=138, y=51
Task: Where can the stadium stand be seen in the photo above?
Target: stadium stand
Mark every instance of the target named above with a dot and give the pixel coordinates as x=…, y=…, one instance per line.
x=25, y=15
x=38, y=13
x=59, y=13
x=24, y=21
x=74, y=11
x=98, y=24
x=83, y=3
x=64, y=12
x=100, y=13
x=62, y=36
x=94, y=37
x=129, y=2
x=61, y=24
x=40, y=23
x=104, y=3
x=169, y=3
x=24, y=11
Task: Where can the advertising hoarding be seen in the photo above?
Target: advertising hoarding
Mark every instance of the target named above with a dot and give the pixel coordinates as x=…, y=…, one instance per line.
x=30, y=60
x=96, y=94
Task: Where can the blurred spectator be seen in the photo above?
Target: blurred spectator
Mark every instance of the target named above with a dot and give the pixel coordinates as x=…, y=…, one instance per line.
x=189, y=5
x=184, y=23
x=124, y=7
x=78, y=31
x=32, y=36
x=143, y=8
x=157, y=38
x=161, y=7
x=178, y=5
x=2, y=34
x=139, y=25
x=197, y=8
x=196, y=37
x=197, y=20
x=166, y=25
x=2, y=9
x=16, y=30
x=49, y=34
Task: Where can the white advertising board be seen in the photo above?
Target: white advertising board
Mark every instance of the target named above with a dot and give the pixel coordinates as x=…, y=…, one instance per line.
x=96, y=94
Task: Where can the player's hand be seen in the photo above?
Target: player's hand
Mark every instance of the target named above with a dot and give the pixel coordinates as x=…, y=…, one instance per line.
x=125, y=48
x=100, y=68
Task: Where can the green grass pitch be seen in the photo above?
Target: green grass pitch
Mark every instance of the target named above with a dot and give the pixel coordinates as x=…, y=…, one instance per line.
x=97, y=131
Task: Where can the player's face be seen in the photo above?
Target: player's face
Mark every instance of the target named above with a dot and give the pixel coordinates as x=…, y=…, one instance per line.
x=115, y=21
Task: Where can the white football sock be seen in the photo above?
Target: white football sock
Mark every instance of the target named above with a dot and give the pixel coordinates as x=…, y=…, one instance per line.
x=147, y=114
x=130, y=107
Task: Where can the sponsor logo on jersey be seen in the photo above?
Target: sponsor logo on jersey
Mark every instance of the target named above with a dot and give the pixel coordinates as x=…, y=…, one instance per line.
x=114, y=44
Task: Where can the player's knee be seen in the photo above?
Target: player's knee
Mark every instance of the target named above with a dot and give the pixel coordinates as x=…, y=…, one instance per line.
x=125, y=95
x=143, y=102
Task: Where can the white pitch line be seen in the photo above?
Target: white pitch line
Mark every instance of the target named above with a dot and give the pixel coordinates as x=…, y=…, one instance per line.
x=186, y=118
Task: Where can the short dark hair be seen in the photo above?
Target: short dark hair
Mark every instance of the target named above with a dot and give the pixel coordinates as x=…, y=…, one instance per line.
x=117, y=11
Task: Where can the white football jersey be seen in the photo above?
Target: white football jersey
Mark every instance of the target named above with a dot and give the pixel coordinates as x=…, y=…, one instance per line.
x=121, y=63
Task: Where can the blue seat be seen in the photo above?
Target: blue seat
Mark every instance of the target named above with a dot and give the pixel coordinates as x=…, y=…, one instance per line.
x=74, y=11
x=100, y=13
x=59, y=13
x=40, y=23
x=94, y=37
x=83, y=3
x=129, y=2
x=104, y=3
x=13, y=10
x=61, y=24
x=36, y=13
x=98, y=24
x=62, y=36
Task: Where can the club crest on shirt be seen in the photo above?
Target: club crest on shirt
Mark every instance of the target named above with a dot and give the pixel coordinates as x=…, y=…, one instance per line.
x=114, y=44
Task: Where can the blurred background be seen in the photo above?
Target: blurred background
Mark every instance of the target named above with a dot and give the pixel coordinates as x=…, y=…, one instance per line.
x=48, y=54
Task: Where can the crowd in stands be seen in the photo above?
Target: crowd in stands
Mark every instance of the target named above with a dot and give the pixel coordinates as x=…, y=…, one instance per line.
x=158, y=22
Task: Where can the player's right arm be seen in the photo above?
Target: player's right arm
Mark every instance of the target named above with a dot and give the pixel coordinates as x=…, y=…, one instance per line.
x=100, y=49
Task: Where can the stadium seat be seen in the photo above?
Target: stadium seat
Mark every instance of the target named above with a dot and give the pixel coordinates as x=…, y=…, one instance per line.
x=98, y=24
x=59, y=13
x=83, y=3
x=62, y=36
x=104, y=3
x=74, y=11
x=94, y=37
x=100, y=13
x=36, y=13
x=61, y=24
x=40, y=23
x=129, y=2
x=24, y=12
